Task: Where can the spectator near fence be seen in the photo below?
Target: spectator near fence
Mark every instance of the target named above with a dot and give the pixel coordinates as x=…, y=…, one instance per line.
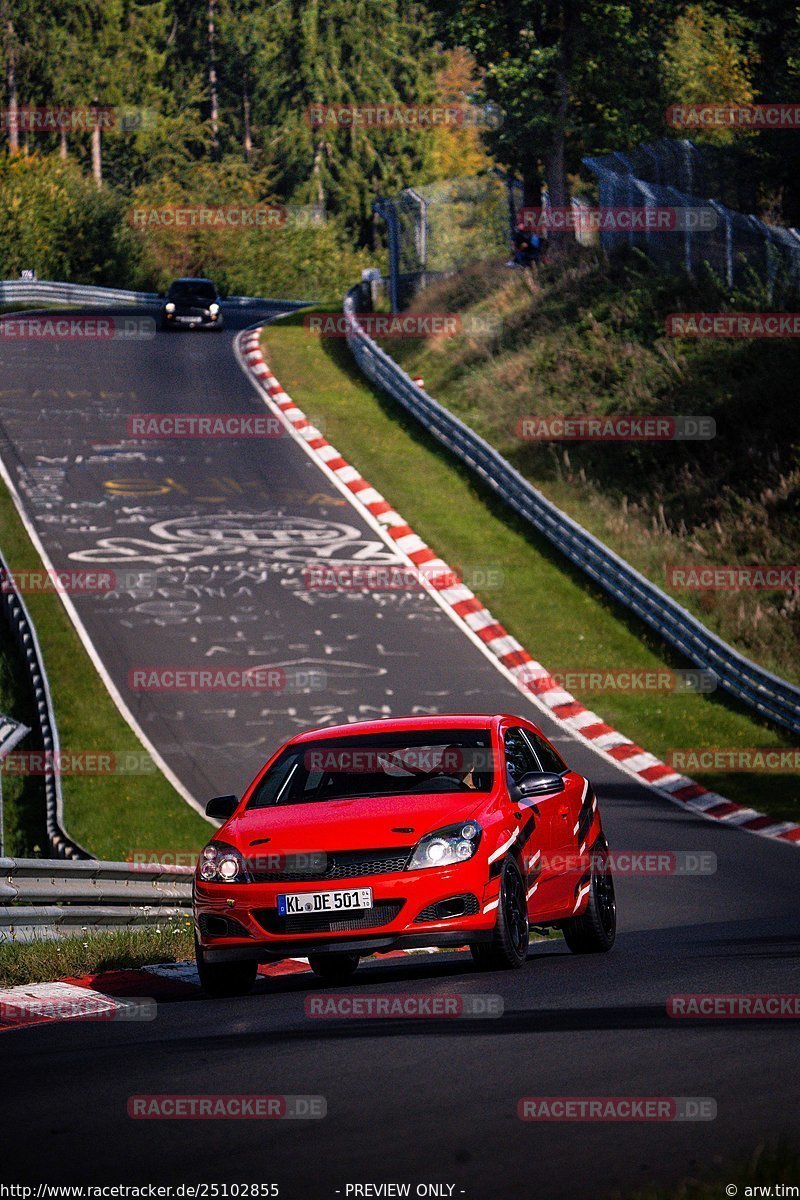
x=527, y=247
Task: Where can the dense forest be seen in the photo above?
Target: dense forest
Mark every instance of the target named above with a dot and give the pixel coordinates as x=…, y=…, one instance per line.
x=207, y=102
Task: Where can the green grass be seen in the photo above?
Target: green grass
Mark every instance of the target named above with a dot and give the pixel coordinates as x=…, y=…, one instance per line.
x=587, y=336
x=23, y=796
x=767, y=1166
x=556, y=615
x=111, y=815
x=90, y=953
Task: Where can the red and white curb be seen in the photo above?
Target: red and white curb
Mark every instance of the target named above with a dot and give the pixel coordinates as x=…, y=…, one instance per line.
x=532, y=679
x=124, y=995
x=129, y=995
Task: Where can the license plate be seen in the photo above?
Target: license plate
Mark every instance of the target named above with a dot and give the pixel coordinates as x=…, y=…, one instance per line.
x=189, y=320
x=305, y=904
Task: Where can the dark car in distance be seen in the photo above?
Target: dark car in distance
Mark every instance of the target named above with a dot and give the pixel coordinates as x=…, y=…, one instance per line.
x=192, y=304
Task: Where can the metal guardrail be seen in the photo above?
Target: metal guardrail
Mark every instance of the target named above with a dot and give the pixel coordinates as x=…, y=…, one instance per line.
x=16, y=291
x=771, y=697
x=20, y=291
x=39, y=896
x=18, y=619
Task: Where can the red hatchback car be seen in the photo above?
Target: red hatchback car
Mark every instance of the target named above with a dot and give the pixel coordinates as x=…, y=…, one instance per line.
x=420, y=831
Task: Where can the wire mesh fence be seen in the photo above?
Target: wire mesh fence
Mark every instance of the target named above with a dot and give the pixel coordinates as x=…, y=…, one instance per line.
x=738, y=247
x=442, y=228
x=445, y=227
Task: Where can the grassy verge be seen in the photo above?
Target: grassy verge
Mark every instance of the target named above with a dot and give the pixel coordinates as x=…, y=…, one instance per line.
x=172, y=941
x=112, y=815
x=586, y=336
x=561, y=620
x=24, y=826
x=767, y=1167
x=42, y=961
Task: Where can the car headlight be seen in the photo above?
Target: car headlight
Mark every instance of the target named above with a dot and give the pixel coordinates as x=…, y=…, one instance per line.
x=220, y=863
x=446, y=847
x=170, y=308
x=213, y=309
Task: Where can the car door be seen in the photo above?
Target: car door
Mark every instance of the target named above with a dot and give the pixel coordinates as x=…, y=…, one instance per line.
x=569, y=821
x=539, y=824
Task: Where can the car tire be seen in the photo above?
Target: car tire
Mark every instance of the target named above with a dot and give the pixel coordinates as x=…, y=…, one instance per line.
x=225, y=979
x=595, y=930
x=508, y=948
x=336, y=968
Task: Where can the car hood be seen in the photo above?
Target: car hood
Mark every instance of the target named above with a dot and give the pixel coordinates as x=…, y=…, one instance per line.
x=375, y=822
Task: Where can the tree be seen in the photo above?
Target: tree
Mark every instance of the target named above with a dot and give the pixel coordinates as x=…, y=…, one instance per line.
x=457, y=151
x=328, y=52
x=705, y=60
x=569, y=76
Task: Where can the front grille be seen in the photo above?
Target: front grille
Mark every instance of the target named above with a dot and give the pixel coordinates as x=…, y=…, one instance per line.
x=190, y=310
x=373, y=918
x=465, y=905
x=214, y=926
x=344, y=864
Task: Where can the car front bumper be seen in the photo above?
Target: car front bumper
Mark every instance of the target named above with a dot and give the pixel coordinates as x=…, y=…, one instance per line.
x=240, y=921
x=192, y=320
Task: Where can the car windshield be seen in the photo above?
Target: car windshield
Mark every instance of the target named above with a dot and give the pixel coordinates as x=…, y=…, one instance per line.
x=450, y=760
x=188, y=289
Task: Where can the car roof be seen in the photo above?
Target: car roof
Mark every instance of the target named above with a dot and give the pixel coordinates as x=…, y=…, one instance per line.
x=192, y=279
x=408, y=724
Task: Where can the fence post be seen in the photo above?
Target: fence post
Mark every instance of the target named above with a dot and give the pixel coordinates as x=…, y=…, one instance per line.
x=385, y=208
x=723, y=212
x=420, y=228
x=770, y=258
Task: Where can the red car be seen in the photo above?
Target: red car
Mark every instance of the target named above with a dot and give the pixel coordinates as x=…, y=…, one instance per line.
x=421, y=831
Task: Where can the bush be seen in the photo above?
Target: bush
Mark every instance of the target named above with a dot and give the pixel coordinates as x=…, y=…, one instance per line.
x=55, y=221
x=296, y=260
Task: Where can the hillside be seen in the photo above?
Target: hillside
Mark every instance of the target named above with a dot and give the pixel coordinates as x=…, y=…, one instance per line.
x=585, y=336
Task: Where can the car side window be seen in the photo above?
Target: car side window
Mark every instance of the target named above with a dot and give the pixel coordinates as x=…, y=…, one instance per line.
x=546, y=754
x=520, y=759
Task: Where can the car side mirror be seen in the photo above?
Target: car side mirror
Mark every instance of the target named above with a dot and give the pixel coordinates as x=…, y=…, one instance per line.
x=540, y=783
x=222, y=807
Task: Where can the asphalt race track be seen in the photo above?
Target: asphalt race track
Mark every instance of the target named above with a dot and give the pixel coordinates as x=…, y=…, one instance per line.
x=216, y=539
